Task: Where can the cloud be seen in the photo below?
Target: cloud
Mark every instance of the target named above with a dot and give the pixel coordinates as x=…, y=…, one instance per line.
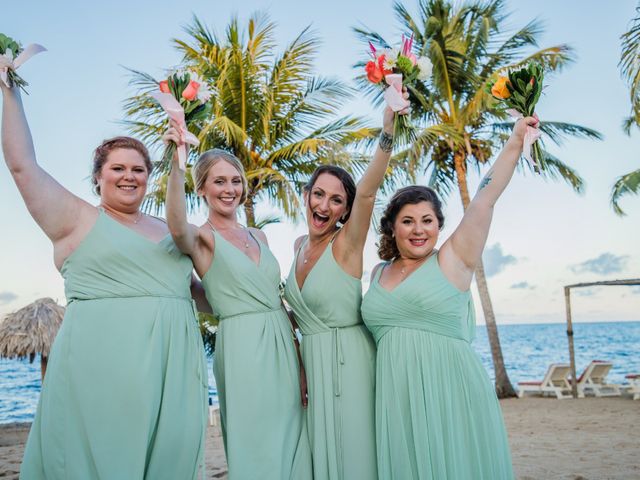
x=495, y=261
x=585, y=292
x=7, y=297
x=602, y=265
x=522, y=286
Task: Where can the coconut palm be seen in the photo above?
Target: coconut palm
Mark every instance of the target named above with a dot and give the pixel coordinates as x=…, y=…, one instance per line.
x=468, y=45
x=268, y=109
x=630, y=69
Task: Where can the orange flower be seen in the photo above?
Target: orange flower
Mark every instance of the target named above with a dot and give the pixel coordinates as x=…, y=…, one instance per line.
x=164, y=86
x=191, y=92
x=381, y=60
x=374, y=72
x=500, y=89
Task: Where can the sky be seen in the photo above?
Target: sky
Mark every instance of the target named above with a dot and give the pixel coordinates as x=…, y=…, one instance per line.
x=543, y=236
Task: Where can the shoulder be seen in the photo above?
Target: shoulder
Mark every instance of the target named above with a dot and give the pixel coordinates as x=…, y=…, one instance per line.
x=259, y=234
x=298, y=242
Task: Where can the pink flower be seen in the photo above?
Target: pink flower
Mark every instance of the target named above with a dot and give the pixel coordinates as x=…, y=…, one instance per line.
x=164, y=86
x=191, y=92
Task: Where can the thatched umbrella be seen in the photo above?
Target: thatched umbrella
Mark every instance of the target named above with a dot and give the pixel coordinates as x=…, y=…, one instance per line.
x=30, y=331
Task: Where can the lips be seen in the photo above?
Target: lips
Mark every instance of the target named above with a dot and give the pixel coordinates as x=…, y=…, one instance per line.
x=227, y=200
x=418, y=242
x=319, y=221
x=127, y=188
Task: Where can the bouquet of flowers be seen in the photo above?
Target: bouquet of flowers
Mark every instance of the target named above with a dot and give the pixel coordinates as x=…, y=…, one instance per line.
x=185, y=99
x=519, y=92
x=398, y=68
x=12, y=55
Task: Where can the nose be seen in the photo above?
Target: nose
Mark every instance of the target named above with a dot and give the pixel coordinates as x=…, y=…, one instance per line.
x=128, y=174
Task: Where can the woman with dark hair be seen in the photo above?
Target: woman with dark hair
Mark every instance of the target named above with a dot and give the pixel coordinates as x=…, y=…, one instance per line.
x=126, y=385
x=324, y=291
x=437, y=415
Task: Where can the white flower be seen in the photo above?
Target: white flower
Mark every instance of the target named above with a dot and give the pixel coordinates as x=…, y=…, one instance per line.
x=204, y=94
x=425, y=67
x=390, y=57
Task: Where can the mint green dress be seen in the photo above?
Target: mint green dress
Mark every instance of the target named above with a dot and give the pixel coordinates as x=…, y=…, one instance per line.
x=126, y=388
x=437, y=415
x=256, y=368
x=339, y=359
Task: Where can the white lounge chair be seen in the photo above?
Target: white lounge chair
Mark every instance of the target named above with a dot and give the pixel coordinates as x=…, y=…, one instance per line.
x=555, y=382
x=593, y=380
x=634, y=382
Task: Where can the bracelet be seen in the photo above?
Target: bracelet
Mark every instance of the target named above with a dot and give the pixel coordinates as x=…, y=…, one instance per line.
x=386, y=142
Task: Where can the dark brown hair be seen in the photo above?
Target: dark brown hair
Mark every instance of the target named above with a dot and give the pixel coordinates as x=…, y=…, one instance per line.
x=107, y=146
x=345, y=178
x=411, y=195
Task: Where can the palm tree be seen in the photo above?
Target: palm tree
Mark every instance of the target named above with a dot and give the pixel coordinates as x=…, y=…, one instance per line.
x=268, y=109
x=468, y=46
x=630, y=69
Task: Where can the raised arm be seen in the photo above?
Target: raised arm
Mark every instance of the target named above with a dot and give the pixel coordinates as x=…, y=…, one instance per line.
x=56, y=210
x=184, y=234
x=465, y=245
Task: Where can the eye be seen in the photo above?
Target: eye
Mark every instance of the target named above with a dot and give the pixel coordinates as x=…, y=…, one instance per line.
x=117, y=168
x=218, y=181
x=428, y=220
x=406, y=221
x=236, y=181
x=317, y=194
x=337, y=201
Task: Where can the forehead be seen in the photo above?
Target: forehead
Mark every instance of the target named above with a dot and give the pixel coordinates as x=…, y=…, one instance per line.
x=330, y=184
x=222, y=168
x=417, y=210
x=125, y=156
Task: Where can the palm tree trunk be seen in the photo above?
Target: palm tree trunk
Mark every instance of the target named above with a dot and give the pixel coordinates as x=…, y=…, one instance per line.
x=504, y=389
x=250, y=210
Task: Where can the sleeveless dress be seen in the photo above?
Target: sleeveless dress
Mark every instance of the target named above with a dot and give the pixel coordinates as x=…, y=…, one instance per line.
x=256, y=368
x=339, y=359
x=126, y=389
x=437, y=415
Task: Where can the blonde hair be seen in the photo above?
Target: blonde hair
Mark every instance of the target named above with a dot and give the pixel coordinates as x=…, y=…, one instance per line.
x=208, y=159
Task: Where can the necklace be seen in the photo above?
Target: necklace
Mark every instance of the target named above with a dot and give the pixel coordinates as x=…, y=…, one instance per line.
x=123, y=216
x=247, y=233
x=403, y=269
x=312, y=250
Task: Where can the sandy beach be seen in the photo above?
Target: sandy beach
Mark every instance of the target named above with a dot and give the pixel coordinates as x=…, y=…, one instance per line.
x=585, y=439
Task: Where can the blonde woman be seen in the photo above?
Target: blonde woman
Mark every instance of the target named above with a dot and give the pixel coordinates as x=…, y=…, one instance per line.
x=255, y=363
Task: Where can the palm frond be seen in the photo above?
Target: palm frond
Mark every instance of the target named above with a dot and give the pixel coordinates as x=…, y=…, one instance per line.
x=626, y=184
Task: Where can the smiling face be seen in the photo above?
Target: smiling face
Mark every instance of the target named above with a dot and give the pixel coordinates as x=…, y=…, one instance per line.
x=122, y=180
x=223, y=188
x=416, y=230
x=326, y=204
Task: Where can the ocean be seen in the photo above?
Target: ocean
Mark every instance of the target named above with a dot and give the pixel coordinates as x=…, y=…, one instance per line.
x=528, y=350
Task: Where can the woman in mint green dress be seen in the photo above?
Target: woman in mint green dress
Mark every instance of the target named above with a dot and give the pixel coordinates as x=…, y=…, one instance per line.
x=324, y=291
x=437, y=415
x=125, y=391
x=255, y=363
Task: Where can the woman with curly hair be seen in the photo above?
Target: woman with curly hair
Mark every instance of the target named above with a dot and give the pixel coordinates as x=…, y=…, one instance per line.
x=437, y=415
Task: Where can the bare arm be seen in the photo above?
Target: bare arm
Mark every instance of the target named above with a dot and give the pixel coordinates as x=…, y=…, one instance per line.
x=184, y=234
x=56, y=210
x=349, y=249
x=462, y=251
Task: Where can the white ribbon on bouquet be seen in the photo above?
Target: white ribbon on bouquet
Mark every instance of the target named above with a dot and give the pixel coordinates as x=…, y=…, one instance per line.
x=8, y=62
x=533, y=134
x=393, y=94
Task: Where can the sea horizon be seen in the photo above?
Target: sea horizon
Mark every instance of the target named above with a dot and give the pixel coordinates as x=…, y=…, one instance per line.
x=528, y=349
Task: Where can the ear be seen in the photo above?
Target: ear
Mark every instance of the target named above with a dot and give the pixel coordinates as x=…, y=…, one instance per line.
x=305, y=198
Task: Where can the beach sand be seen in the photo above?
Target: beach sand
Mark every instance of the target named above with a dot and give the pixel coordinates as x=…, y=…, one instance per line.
x=585, y=439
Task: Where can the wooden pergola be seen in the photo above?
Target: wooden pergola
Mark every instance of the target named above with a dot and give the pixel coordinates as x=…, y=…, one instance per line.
x=567, y=300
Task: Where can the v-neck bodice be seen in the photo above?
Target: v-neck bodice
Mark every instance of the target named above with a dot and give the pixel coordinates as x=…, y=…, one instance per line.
x=329, y=297
x=115, y=261
x=425, y=300
x=236, y=285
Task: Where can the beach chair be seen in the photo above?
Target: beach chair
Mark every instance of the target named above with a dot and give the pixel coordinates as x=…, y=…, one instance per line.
x=593, y=380
x=213, y=418
x=555, y=382
x=634, y=385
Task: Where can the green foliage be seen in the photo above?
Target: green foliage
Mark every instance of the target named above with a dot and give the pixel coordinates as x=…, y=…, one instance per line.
x=629, y=183
x=469, y=47
x=9, y=45
x=267, y=108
